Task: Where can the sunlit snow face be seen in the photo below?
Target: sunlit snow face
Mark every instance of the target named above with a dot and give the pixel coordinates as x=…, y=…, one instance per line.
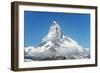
x=54, y=29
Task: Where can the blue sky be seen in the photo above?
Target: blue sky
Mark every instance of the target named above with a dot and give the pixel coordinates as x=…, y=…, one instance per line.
x=74, y=25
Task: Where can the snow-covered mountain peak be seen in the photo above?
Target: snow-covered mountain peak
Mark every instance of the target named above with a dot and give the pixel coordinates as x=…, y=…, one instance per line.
x=56, y=24
x=54, y=27
x=54, y=32
x=55, y=45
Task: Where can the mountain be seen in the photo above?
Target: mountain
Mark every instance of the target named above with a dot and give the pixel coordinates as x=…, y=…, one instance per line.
x=56, y=46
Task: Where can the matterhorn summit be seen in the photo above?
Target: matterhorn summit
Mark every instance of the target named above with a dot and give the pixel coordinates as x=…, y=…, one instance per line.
x=54, y=33
x=56, y=46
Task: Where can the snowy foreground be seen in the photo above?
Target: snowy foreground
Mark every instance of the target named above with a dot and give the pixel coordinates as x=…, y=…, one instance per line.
x=56, y=46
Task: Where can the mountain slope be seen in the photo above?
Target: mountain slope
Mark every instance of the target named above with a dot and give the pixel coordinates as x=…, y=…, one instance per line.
x=54, y=46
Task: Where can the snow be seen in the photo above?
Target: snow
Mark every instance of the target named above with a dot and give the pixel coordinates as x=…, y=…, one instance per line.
x=54, y=46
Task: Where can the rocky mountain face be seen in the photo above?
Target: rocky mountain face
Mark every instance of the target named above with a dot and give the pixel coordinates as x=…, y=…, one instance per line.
x=56, y=46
